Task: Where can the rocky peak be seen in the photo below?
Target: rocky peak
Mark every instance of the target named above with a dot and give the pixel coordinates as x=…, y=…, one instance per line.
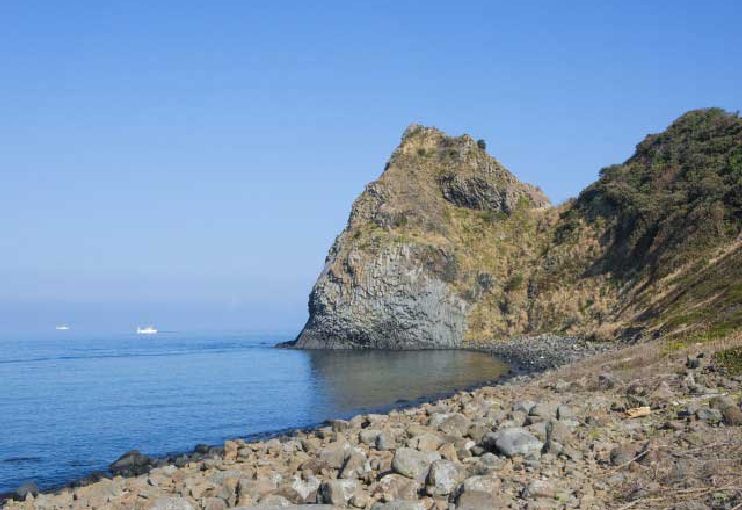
x=429, y=168
x=392, y=276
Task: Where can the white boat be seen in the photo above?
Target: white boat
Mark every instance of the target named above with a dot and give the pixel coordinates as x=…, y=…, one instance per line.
x=62, y=327
x=149, y=330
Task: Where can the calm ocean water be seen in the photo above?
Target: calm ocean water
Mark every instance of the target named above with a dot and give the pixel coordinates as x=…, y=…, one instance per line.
x=71, y=404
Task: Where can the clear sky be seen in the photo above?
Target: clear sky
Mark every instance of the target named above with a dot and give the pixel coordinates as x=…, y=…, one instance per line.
x=189, y=163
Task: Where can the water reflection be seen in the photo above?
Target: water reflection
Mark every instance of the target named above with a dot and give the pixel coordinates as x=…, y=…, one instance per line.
x=353, y=381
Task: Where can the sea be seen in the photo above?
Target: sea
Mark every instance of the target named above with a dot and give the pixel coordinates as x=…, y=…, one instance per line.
x=71, y=403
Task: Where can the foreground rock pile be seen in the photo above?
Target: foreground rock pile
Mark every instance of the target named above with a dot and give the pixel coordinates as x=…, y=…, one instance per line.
x=561, y=440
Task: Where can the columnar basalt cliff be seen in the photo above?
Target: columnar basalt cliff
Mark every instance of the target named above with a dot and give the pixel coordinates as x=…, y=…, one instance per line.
x=448, y=248
x=390, y=277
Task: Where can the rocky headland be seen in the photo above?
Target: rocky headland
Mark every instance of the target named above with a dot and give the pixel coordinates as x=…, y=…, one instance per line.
x=448, y=249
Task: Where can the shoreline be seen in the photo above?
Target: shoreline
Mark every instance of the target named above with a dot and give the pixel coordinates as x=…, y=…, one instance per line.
x=525, y=357
x=570, y=437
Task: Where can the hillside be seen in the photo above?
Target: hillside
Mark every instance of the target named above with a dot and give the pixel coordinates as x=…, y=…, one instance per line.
x=448, y=247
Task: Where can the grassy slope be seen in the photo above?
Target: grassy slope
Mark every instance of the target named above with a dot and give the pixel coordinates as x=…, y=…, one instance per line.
x=651, y=246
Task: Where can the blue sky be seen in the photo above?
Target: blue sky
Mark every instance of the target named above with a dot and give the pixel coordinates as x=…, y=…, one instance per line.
x=190, y=163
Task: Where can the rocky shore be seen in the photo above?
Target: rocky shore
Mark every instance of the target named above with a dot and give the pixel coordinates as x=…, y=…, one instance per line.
x=640, y=427
x=543, y=352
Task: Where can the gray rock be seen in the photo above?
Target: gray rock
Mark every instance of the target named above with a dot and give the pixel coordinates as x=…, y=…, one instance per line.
x=562, y=386
x=624, y=454
x=26, y=489
x=543, y=411
x=398, y=488
x=338, y=492
x=131, y=464
x=385, y=442
x=356, y=465
x=402, y=307
x=172, y=503
x=334, y=454
x=487, y=464
x=425, y=442
x=288, y=507
x=524, y=406
x=369, y=436
x=479, y=492
x=709, y=414
x=722, y=402
x=564, y=413
x=213, y=503
x=539, y=489
x=399, y=505
x=413, y=463
x=518, y=441
x=304, y=491
x=455, y=425
x=444, y=476
x=607, y=380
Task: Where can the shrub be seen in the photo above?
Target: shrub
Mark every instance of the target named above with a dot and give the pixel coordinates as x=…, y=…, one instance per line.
x=481, y=144
x=493, y=216
x=515, y=283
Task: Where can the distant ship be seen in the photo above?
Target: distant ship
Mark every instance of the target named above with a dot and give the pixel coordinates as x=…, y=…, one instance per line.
x=62, y=327
x=149, y=330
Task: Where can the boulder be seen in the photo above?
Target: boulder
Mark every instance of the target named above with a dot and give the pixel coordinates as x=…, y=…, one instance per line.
x=413, y=463
x=623, y=454
x=369, y=436
x=487, y=464
x=709, y=414
x=356, y=465
x=425, y=442
x=479, y=492
x=455, y=425
x=395, y=487
x=539, y=489
x=212, y=503
x=26, y=489
x=172, y=503
x=315, y=466
x=385, y=441
x=399, y=505
x=518, y=441
x=131, y=463
x=278, y=506
x=334, y=454
x=444, y=476
x=304, y=491
x=339, y=492
x=524, y=406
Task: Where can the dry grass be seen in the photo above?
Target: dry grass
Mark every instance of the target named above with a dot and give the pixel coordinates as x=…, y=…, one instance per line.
x=678, y=468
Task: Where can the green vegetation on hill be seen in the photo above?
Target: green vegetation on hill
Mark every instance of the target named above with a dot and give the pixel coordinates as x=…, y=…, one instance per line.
x=678, y=196
x=670, y=218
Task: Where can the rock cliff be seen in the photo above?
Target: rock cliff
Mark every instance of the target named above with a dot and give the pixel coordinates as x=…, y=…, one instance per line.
x=390, y=278
x=449, y=249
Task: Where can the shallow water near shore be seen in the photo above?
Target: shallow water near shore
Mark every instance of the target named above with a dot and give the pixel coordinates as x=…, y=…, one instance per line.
x=72, y=403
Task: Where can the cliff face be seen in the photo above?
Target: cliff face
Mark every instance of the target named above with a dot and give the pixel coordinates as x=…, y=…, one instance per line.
x=389, y=279
x=447, y=247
